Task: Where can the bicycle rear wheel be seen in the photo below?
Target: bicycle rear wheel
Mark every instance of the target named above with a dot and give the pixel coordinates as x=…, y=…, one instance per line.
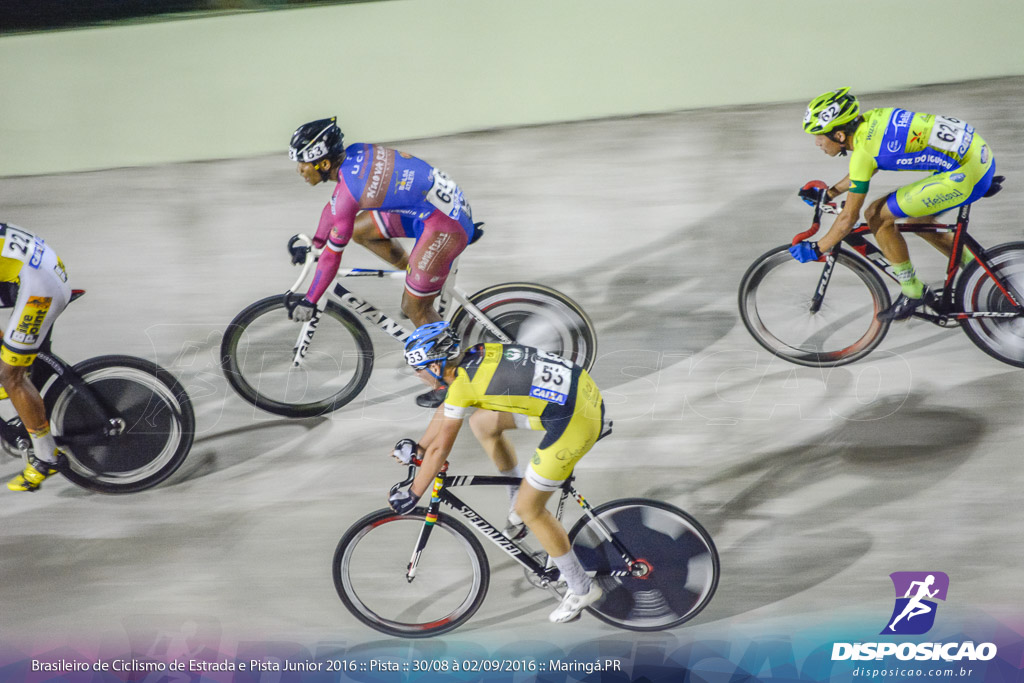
x=156, y=424
x=532, y=315
x=775, y=305
x=682, y=558
x=1001, y=338
x=370, y=566
x=258, y=353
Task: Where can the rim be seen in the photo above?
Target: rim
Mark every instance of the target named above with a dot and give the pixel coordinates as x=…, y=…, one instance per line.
x=162, y=399
x=442, y=622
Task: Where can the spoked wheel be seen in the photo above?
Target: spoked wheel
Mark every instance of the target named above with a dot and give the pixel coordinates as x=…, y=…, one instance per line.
x=146, y=442
x=532, y=315
x=1001, y=338
x=676, y=556
x=258, y=358
x=775, y=302
x=370, y=574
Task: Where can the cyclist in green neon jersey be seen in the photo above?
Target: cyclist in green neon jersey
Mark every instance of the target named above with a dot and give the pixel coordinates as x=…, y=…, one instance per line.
x=960, y=162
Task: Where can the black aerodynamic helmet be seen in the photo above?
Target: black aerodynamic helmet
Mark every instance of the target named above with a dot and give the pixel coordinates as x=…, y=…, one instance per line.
x=317, y=140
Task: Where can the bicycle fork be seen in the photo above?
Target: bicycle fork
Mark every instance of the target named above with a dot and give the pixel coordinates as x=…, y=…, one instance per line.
x=428, y=526
x=305, y=338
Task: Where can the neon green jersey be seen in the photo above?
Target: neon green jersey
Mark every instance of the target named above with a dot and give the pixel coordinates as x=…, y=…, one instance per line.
x=900, y=140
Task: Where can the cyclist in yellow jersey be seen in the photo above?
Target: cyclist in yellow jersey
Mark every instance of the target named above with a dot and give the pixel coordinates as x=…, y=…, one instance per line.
x=960, y=162
x=512, y=387
x=42, y=294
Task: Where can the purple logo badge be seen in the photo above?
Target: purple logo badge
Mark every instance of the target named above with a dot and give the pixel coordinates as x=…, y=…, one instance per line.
x=916, y=592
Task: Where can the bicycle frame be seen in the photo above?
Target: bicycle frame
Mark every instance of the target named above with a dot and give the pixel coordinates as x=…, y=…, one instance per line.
x=944, y=306
x=548, y=574
x=48, y=365
x=372, y=314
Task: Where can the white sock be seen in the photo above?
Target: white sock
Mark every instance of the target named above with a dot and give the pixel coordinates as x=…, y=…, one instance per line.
x=573, y=573
x=512, y=490
x=43, y=444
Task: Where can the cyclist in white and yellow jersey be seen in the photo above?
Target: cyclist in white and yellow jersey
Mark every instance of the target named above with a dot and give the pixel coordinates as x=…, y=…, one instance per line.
x=43, y=293
x=960, y=163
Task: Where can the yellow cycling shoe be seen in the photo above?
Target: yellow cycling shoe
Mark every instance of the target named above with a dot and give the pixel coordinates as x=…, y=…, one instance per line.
x=35, y=472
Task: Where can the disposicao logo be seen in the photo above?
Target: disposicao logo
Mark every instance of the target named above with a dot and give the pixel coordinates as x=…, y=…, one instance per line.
x=916, y=592
x=913, y=615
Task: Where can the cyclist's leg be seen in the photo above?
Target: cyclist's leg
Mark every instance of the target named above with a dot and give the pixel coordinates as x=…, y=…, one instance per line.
x=379, y=232
x=42, y=296
x=571, y=432
x=489, y=427
x=921, y=201
x=430, y=262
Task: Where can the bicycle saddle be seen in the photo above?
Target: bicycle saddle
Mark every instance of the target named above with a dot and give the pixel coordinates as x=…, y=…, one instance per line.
x=997, y=184
x=479, y=232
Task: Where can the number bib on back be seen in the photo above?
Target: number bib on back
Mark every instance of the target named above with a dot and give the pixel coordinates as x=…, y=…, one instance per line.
x=21, y=245
x=951, y=135
x=552, y=377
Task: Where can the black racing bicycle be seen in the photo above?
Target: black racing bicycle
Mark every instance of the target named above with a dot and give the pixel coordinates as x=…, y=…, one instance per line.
x=657, y=565
x=826, y=315
x=124, y=423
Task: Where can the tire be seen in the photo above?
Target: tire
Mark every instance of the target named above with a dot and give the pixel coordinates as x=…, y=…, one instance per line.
x=1001, y=338
x=156, y=435
x=370, y=566
x=684, y=566
x=775, y=305
x=532, y=315
x=259, y=347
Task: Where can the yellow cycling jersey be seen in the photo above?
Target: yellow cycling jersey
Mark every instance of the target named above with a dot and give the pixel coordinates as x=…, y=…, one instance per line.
x=895, y=139
x=513, y=379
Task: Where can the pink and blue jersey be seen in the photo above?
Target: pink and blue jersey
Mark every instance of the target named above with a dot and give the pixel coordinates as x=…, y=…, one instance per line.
x=409, y=198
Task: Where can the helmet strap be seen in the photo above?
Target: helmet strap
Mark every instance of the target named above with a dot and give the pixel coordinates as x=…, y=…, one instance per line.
x=325, y=175
x=439, y=378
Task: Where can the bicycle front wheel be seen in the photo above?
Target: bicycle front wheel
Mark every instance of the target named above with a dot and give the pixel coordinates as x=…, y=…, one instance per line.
x=1001, y=338
x=680, y=557
x=258, y=358
x=532, y=315
x=154, y=429
x=775, y=302
x=370, y=567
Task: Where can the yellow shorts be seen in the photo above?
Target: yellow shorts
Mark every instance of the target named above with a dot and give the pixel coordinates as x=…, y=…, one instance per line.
x=572, y=430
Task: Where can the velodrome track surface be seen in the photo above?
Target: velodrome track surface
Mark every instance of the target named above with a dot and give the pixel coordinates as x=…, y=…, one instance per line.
x=815, y=484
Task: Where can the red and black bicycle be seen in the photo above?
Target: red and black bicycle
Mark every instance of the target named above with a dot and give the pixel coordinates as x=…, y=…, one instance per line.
x=826, y=316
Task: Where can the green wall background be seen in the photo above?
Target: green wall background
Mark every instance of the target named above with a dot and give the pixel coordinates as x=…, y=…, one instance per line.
x=231, y=86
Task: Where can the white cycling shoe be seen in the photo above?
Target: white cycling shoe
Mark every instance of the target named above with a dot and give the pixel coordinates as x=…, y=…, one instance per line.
x=572, y=604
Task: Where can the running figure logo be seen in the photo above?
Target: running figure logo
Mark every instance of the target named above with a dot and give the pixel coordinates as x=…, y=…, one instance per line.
x=914, y=612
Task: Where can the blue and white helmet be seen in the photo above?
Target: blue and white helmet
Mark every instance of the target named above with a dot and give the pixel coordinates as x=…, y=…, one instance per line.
x=431, y=343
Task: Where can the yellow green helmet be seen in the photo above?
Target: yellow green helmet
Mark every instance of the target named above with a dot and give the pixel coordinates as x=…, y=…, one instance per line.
x=829, y=111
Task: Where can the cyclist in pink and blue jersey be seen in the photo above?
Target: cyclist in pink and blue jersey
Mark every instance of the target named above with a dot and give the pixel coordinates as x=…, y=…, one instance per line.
x=381, y=195
x=960, y=163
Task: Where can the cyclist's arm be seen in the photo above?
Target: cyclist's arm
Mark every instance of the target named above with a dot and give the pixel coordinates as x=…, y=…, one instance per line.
x=336, y=221
x=440, y=445
x=837, y=189
x=843, y=224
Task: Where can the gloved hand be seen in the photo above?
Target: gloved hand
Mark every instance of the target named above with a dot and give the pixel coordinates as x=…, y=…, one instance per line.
x=299, y=310
x=812, y=192
x=404, y=450
x=297, y=251
x=805, y=251
x=403, y=501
